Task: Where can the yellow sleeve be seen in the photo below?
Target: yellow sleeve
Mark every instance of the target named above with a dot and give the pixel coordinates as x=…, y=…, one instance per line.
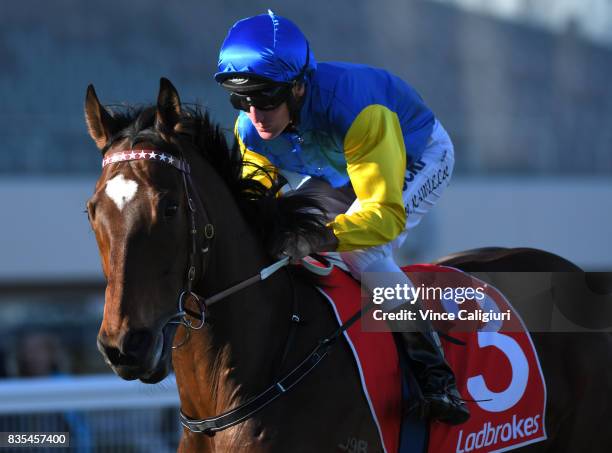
x=253, y=162
x=376, y=164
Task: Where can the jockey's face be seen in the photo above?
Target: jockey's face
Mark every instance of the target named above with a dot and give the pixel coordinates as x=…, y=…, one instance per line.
x=271, y=123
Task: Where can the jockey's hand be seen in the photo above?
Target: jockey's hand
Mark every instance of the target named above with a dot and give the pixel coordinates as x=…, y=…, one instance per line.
x=298, y=247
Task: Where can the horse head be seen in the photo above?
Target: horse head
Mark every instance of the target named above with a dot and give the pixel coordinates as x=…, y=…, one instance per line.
x=141, y=215
x=167, y=174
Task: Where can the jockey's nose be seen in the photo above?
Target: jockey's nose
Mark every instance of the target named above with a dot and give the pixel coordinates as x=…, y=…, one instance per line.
x=256, y=114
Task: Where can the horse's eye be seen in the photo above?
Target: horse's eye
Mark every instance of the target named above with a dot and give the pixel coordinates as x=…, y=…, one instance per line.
x=171, y=210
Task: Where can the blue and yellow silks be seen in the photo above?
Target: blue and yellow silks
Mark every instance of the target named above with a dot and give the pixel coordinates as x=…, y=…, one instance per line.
x=358, y=125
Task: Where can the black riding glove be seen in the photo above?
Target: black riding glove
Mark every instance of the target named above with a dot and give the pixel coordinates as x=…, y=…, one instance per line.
x=298, y=247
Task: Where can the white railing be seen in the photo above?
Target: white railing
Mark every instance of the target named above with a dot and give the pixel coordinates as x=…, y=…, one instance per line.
x=98, y=392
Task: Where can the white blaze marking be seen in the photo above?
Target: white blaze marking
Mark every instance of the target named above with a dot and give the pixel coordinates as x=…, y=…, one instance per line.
x=121, y=190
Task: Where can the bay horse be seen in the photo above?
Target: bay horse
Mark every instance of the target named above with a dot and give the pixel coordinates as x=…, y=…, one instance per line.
x=168, y=236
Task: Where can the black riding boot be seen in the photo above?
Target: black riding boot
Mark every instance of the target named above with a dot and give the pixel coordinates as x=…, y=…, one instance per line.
x=436, y=379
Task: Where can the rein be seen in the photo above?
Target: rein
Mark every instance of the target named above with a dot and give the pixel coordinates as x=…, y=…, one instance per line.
x=211, y=425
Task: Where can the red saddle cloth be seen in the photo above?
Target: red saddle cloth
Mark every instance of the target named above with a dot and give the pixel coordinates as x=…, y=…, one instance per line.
x=375, y=355
x=499, y=365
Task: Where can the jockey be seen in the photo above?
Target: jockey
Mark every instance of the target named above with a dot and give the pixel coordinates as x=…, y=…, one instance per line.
x=374, y=153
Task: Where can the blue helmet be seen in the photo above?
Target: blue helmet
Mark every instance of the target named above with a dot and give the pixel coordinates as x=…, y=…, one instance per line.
x=267, y=47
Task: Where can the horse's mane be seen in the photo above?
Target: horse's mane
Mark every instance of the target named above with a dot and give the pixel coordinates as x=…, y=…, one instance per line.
x=276, y=219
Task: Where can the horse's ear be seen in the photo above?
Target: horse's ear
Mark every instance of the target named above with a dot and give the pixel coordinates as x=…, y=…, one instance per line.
x=100, y=123
x=168, y=107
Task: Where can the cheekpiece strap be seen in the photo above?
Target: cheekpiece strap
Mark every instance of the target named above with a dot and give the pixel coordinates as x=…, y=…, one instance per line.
x=146, y=154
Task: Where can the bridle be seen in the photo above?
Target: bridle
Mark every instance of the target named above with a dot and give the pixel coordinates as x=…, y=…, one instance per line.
x=254, y=404
x=180, y=316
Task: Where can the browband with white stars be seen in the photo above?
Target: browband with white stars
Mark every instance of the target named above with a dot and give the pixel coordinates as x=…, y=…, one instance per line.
x=145, y=154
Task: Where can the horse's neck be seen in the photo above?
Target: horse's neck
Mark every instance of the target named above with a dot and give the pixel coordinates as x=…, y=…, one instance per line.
x=233, y=357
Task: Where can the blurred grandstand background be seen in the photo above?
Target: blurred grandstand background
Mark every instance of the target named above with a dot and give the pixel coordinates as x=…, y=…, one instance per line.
x=522, y=86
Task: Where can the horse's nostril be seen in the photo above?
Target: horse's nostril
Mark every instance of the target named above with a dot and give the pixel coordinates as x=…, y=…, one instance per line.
x=113, y=355
x=132, y=350
x=136, y=343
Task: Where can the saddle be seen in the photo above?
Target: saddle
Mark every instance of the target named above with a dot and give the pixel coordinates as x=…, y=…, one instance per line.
x=495, y=363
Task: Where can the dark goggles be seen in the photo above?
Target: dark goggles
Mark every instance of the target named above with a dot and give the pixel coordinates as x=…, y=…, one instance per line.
x=266, y=99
